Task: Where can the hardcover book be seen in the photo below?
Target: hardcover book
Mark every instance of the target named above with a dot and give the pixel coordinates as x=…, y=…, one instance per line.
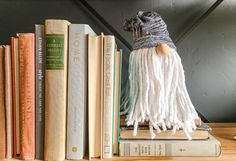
x=118, y=71
x=15, y=95
x=94, y=94
x=77, y=90
x=56, y=40
x=208, y=148
x=39, y=91
x=108, y=96
x=2, y=107
x=27, y=95
x=8, y=102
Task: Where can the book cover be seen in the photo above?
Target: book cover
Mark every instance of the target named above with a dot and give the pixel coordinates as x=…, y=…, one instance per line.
x=108, y=96
x=94, y=94
x=8, y=101
x=15, y=95
x=77, y=90
x=200, y=148
x=2, y=107
x=27, y=95
x=56, y=40
x=39, y=91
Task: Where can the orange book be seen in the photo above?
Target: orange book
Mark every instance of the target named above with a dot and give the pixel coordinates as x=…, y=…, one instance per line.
x=27, y=95
x=8, y=101
x=2, y=107
x=15, y=95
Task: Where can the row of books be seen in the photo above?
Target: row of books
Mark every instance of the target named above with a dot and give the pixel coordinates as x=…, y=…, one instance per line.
x=60, y=90
x=59, y=93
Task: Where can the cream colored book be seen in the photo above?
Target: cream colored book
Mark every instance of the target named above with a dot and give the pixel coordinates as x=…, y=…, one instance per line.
x=56, y=39
x=94, y=95
x=192, y=148
x=108, y=96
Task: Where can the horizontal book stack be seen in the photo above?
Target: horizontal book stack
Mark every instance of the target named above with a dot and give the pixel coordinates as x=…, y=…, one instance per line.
x=60, y=90
x=166, y=142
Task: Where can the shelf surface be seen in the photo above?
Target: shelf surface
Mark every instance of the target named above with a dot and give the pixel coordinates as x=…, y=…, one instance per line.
x=224, y=132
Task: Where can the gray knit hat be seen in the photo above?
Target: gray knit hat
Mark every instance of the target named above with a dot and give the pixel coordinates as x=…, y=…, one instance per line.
x=150, y=30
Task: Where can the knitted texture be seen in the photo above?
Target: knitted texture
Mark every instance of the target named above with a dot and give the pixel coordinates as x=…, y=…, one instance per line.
x=150, y=30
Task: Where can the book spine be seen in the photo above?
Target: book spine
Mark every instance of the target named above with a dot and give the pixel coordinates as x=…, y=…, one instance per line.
x=15, y=96
x=39, y=91
x=27, y=95
x=117, y=102
x=201, y=148
x=94, y=92
x=77, y=90
x=56, y=40
x=2, y=107
x=8, y=102
x=108, y=84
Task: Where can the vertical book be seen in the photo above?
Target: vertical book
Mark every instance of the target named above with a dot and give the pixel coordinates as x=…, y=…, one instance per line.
x=39, y=91
x=2, y=107
x=94, y=93
x=108, y=96
x=56, y=40
x=8, y=101
x=77, y=90
x=15, y=95
x=27, y=95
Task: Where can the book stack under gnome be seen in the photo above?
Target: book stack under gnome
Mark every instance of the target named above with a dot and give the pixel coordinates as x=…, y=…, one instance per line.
x=166, y=142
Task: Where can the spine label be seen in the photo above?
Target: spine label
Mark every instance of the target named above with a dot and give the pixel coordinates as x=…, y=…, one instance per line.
x=55, y=51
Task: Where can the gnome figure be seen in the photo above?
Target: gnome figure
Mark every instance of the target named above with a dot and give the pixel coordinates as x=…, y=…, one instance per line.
x=156, y=89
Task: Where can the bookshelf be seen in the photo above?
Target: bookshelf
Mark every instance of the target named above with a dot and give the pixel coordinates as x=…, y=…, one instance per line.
x=222, y=131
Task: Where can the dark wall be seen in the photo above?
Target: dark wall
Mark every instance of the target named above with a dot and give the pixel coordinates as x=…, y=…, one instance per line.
x=208, y=53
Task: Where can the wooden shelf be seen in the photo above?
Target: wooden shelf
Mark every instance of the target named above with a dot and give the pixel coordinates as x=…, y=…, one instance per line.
x=224, y=132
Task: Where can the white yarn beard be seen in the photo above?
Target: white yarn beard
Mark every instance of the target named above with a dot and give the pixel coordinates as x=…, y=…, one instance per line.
x=158, y=93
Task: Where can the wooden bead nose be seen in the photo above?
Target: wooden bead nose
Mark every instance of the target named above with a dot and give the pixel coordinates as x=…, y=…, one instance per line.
x=163, y=49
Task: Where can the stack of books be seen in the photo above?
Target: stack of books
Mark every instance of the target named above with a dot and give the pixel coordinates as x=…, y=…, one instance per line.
x=167, y=143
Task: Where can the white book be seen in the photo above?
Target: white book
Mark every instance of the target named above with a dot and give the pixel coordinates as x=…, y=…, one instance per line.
x=204, y=148
x=77, y=90
x=108, y=96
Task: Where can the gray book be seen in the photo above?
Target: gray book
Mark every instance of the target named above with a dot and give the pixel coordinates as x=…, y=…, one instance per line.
x=191, y=148
x=77, y=90
x=39, y=91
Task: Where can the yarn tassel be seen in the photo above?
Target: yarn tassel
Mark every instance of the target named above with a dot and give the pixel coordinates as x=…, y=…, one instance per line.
x=157, y=93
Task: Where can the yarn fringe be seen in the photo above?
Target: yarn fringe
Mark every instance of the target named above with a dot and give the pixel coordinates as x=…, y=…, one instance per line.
x=156, y=92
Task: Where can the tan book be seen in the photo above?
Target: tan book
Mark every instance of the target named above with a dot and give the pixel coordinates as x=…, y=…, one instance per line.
x=108, y=96
x=116, y=101
x=27, y=95
x=168, y=134
x=56, y=40
x=8, y=101
x=15, y=95
x=2, y=107
x=94, y=95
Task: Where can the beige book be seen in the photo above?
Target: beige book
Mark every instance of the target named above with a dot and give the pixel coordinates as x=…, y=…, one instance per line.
x=2, y=108
x=116, y=102
x=94, y=95
x=56, y=40
x=108, y=95
x=8, y=102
